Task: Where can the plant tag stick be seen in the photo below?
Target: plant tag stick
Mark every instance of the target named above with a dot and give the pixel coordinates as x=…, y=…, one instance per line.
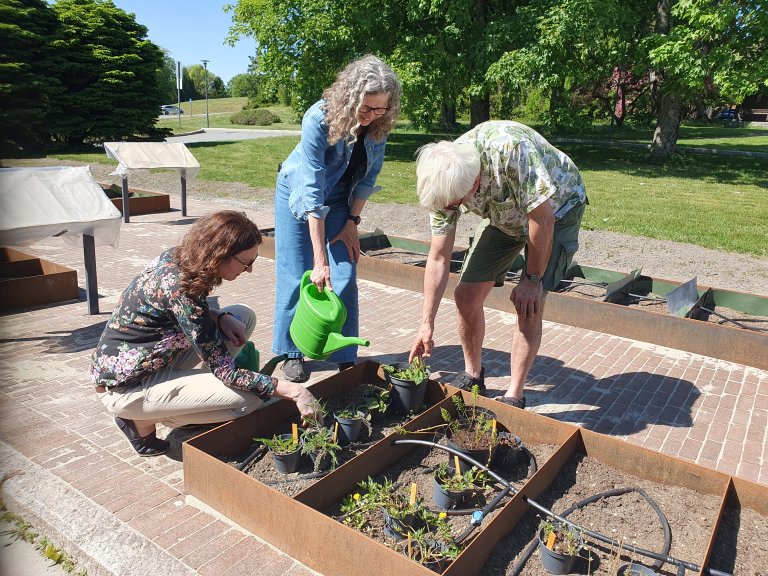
x=410, y=546
x=494, y=427
x=335, y=431
x=414, y=487
x=456, y=466
x=551, y=540
x=295, y=432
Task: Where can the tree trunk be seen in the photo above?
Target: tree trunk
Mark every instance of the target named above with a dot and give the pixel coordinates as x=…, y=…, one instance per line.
x=664, y=142
x=668, y=105
x=479, y=109
x=448, y=115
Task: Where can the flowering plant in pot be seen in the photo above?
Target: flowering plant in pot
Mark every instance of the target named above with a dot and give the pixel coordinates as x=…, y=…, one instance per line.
x=285, y=450
x=559, y=546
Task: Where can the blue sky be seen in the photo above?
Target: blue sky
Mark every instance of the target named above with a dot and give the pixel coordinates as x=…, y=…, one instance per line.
x=191, y=31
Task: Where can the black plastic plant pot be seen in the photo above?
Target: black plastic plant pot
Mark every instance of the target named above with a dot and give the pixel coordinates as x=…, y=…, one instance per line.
x=325, y=460
x=349, y=428
x=287, y=463
x=483, y=455
x=554, y=562
x=438, y=564
x=446, y=499
x=398, y=528
x=407, y=396
x=633, y=569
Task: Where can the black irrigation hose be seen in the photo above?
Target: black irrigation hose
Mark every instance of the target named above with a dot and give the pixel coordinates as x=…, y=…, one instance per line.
x=526, y=554
x=682, y=564
x=257, y=454
x=307, y=476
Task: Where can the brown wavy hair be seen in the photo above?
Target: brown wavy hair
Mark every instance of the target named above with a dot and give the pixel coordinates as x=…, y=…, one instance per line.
x=210, y=241
x=343, y=99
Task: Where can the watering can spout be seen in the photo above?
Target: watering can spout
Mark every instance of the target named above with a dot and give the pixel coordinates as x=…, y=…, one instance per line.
x=336, y=341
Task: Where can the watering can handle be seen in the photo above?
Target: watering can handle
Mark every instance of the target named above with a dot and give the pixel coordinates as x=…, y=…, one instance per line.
x=305, y=279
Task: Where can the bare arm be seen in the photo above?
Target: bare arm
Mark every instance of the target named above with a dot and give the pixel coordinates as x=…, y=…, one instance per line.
x=435, y=281
x=541, y=228
x=348, y=234
x=321, y=272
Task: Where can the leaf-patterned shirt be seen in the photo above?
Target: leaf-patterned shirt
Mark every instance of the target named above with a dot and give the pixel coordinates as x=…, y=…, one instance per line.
x=519, y=170
x=153, y=323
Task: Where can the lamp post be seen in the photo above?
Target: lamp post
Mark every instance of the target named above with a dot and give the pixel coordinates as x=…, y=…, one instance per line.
x=205, y=66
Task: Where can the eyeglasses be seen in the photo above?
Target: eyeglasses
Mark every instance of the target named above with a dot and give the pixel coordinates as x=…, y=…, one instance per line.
x=246, y=265
x=376, y=111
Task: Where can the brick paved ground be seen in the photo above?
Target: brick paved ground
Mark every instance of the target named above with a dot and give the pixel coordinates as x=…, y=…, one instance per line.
x=71, y=472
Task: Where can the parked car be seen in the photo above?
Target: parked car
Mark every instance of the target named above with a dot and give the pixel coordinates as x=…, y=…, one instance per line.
x=168, y=109
x=727, y=114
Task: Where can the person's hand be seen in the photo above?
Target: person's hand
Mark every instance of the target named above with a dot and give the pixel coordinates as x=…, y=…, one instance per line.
x=422, y=344
x=351, y=240
x=308, y=406
x=527, y=298
x=233, y=329
x=321, y=277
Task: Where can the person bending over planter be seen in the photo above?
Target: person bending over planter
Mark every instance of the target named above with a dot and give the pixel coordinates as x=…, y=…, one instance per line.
x=532, y=198
x=321, y=189
x=146, y=367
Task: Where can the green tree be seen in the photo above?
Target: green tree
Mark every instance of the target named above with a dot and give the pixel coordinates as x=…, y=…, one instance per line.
x=198, y=74
x=244, y=85
x=704, y=46
x=110, y=70
x=28, y=84
x=166, y=78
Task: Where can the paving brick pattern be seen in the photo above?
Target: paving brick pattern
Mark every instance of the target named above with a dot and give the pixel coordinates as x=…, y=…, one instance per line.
x=701, y=409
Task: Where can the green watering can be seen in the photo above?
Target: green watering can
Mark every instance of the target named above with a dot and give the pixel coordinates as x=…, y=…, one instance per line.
x=248, y=358
x=316, y=326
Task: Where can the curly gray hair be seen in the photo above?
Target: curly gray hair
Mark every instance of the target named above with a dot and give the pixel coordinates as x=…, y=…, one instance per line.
x=343, y=99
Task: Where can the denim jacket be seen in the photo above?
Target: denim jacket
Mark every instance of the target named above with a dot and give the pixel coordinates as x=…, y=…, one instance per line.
x=314, y=167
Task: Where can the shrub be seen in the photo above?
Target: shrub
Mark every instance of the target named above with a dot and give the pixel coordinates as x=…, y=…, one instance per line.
x=255, y=117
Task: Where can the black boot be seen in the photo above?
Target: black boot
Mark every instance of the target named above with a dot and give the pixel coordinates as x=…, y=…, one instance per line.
x=149, y=445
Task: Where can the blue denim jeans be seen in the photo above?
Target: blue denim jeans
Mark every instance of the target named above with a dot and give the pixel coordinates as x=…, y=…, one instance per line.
x=293, y=255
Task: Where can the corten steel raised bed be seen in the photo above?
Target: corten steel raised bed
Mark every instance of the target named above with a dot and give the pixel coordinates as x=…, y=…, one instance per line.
x=27, y=280
x=300, y=528
x=140, y=201
x=705, y=338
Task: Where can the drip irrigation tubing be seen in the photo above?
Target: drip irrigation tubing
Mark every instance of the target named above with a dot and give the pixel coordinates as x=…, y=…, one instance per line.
x=681, y=564
x=257, y=454
x=526, y=554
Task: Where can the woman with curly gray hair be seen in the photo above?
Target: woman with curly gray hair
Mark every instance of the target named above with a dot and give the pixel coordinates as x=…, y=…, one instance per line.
x=321, y=190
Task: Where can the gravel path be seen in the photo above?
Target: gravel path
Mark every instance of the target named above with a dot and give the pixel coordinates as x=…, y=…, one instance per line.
x=660, y=259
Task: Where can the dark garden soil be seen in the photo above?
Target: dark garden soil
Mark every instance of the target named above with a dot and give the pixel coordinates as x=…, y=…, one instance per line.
x=743, y=531
x=627, y=518
x=417, y=466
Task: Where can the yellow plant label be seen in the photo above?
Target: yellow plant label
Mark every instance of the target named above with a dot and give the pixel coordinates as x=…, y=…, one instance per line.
x=494, y=427
x=414, y=487
x=335, y=431
x=295, y=432
x=456, y=466
x=551, y=540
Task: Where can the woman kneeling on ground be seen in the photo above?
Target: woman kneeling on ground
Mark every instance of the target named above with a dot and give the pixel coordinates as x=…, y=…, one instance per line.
x=146, y=367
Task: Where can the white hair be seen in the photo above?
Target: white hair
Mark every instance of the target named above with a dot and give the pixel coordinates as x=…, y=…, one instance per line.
x=445, y=173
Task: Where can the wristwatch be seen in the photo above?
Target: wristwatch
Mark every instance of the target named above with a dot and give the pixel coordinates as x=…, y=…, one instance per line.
x=534, y=279
x=355, y=219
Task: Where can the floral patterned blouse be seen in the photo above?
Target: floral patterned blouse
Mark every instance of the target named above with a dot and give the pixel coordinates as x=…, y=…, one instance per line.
x=519, y=170
x=153, y=323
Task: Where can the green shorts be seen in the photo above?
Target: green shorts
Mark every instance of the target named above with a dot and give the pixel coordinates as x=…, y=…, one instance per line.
x=493, y=252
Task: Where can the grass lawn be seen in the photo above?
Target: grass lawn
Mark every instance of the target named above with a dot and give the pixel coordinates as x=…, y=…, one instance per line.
x=718, y=202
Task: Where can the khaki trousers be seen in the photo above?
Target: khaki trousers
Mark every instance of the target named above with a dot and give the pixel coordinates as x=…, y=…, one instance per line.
x=186, y=392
